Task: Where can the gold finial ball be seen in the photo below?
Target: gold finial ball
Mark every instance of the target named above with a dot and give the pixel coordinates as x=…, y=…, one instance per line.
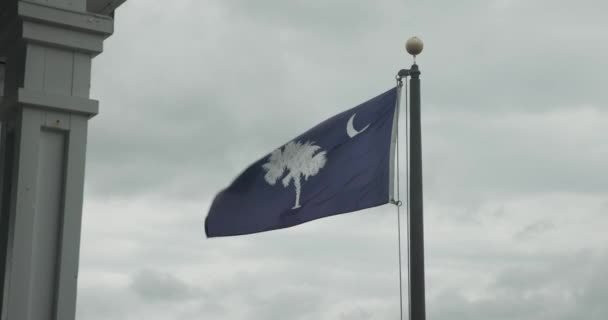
x=414, y=46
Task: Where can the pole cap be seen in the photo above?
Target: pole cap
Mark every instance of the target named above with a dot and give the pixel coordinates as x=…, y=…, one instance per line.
x=414, y=46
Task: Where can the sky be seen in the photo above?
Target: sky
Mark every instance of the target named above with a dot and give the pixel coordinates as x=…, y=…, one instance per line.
x=514, y=120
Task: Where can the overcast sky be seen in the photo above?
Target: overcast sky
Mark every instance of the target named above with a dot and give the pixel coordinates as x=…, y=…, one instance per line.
x=515, y=120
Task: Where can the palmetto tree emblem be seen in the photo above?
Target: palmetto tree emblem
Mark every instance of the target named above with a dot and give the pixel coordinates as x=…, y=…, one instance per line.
x=300, y=159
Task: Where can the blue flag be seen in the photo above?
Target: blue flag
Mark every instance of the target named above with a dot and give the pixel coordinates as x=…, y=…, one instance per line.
x=344, y=164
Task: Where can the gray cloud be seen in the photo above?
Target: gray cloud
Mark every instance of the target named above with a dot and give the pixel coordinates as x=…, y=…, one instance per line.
x=535, y=229
x=103, y=302
x=159, y=286
x=569, y=289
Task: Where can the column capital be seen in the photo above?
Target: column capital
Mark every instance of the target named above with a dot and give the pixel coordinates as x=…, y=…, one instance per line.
x=64, y=28
x=49, y=50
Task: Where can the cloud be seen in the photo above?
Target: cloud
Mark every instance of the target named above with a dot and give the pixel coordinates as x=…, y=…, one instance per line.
x=159, y=286
x=534, y=230
x=570, y=289
x=512, y=154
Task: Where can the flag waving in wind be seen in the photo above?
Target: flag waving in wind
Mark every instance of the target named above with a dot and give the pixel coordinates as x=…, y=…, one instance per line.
x=344, y=164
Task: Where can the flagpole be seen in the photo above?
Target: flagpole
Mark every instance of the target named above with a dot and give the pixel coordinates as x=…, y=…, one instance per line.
x=416, y=231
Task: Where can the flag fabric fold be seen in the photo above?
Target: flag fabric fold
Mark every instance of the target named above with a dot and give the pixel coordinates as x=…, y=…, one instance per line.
x=343, y=164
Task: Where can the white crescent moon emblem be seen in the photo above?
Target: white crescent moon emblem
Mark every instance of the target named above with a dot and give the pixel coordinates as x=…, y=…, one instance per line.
x=350, y=129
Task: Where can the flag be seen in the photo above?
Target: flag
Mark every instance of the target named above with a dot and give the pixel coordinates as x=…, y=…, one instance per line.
x=343, y=164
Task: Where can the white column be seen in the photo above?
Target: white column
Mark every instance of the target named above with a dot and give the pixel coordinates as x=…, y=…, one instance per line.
x=48, y=45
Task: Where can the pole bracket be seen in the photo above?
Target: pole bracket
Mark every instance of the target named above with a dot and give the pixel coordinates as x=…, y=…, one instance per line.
x=403, y=73
x=414, y=72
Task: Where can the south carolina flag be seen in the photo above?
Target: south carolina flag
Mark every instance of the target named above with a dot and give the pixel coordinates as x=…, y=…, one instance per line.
x=344, y=164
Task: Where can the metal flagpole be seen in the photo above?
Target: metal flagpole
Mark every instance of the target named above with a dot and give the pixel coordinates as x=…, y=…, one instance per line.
x=414, y=203
x=416, y=231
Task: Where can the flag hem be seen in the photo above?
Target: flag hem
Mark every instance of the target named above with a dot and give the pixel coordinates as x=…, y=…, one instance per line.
x=394, y=136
